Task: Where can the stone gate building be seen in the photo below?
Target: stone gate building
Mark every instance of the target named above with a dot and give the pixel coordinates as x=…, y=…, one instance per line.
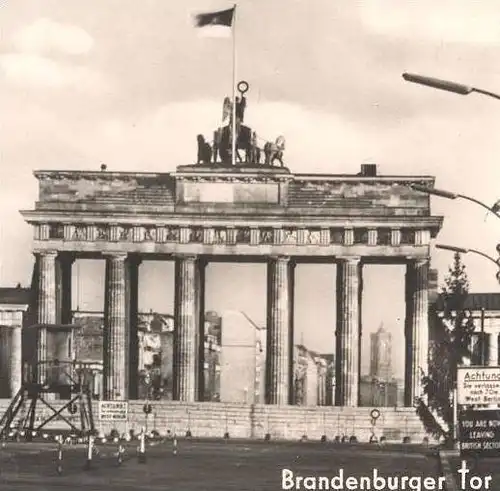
x=204, y=213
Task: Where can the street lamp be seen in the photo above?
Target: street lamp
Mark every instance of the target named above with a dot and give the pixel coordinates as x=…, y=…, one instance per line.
x=462, y=250
x=454, y=87
x=449, y=195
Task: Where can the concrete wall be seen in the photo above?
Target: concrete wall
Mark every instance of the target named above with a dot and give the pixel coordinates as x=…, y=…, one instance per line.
x=254, y=421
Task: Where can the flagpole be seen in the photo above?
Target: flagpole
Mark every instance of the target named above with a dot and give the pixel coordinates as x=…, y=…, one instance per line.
x=233, y=129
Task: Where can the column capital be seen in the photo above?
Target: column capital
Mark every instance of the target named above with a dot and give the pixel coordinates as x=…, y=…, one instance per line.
x=418, y=261
x=185, y=257
x=117, y=256
x=348, y=259
x=46, y=253
x=280, y=258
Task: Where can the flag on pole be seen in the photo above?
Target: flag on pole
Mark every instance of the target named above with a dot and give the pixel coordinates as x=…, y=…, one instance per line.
x=217, y=24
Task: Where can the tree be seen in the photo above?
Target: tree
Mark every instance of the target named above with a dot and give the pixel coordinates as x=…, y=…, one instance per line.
x=451, y=328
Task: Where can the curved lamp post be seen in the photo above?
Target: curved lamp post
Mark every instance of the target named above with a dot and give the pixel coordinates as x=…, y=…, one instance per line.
x=449, y=195
x=454, y=87
x=462, y=250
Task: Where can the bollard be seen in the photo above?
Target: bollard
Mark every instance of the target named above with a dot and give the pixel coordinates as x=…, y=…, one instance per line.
x=174, y=443
x=90, y=452
x=120, y=453
x=142, y=447
x=59, y=467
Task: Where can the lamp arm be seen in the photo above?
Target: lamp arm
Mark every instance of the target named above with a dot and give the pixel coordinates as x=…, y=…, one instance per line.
x=475, y=251
x=480, y=203
x=486, y=92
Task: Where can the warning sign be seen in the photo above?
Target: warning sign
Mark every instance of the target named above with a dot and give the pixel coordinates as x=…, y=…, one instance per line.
x=478, y=385
x=113, y=410
x=480, y=431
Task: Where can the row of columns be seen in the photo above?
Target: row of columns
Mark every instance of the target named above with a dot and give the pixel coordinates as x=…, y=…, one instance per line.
x=120, y=335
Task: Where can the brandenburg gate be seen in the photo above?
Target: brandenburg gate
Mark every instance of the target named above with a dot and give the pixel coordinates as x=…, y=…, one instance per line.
x=227, y=208
x=210, y=212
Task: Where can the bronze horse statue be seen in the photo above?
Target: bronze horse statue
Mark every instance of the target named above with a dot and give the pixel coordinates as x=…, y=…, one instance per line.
x=274, y=151
x=204, y=150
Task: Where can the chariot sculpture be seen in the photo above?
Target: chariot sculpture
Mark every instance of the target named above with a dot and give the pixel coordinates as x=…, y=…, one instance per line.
x=248, y=151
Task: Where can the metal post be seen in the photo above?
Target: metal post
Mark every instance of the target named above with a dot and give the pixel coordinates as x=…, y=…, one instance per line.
x=90, y=452
x=174, y=444
x=142, y=447
x=455, y=416
x=59, y=455
x=483, y=344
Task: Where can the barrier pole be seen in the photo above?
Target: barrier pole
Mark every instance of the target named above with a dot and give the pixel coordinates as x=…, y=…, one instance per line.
x=142, y=447
x=59, y=455
x=174, y=443
x=90, y=452
x=120, y=453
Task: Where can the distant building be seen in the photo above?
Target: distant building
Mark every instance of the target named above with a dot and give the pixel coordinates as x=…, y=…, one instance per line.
x=313, y=380
x=484, y=308
x=14, y=315
x=381, y=354
x=242, y=359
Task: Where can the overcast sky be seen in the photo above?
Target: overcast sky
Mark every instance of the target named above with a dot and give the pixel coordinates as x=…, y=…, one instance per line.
x=130, y=84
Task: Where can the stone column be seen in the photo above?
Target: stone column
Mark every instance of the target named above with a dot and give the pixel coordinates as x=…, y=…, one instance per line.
x=132, y=308
x=115, y=332
x=64, y=265
x=15, y=358
x=186, y=349
x=200, y=308
x=279, y=335
x=493, y=349
x=416, y=328
x=348, y=332
x=46, y=306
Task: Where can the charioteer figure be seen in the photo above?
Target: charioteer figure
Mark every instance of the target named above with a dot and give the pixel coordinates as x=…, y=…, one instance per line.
x=245, y=138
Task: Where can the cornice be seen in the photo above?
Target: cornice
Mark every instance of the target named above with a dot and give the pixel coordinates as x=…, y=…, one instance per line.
x=73, y=175
x=233, y=220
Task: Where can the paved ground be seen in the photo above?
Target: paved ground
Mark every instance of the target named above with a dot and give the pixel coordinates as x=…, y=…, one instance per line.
x=205, y=466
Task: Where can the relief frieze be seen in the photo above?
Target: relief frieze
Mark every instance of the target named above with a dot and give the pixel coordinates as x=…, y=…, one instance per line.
x=243, y=235
x=149, y=234
x=312, y=237
x=80, y=232
x=231, y=235
x=196, y=235
x=220, y=236
x=125, y=233
x=266, y=236
x=290, y=236
x=103, y=232
x=173, y=234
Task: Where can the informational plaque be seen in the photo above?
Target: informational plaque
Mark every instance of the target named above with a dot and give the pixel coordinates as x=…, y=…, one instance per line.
x=478, y=385
x=113, y=410
x=479, y=431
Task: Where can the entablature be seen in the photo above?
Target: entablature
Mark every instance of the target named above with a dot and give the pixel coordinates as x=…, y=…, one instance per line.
x=234, y=232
